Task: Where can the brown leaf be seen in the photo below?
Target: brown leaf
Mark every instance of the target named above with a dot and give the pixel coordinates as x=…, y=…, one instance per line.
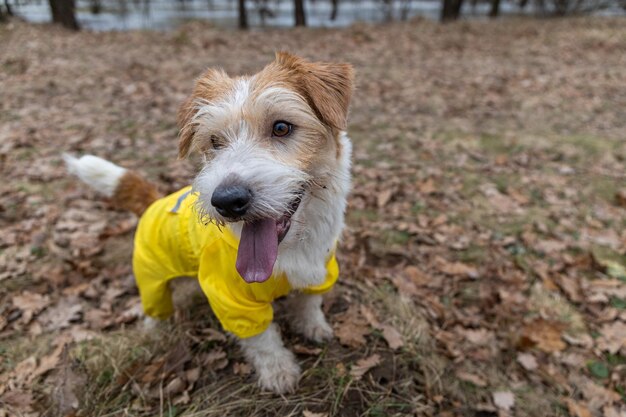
x=31, y=304
x=307, y=413
x=215, y=359
x=527, y=360
x=546, y=335
x=304, y=350
x=363, y=365
x=384, y=197
x=392, y=336
x=175, y=386
x=577, y=409
x=612, y=337
x=474, y=379
x=455, y=268
x=242, y=368
x=620, y=197
x=427, y=187
x=352, y=328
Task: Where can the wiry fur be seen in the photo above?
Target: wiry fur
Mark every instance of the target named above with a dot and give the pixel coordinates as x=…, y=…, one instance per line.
x=229, y=121
x=100, y=174
x=126, y=189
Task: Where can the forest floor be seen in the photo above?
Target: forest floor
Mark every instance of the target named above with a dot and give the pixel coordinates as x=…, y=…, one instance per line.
x=484, y=262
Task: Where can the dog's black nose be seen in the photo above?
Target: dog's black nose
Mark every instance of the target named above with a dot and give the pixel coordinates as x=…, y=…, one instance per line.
x=231, y=201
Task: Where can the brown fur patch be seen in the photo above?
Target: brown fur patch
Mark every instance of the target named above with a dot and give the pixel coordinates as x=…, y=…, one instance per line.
x=134, y=193
x=210, y=86
x=326, y=86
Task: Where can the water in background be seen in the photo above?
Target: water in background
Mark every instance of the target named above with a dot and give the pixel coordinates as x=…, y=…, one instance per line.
x=168, y=14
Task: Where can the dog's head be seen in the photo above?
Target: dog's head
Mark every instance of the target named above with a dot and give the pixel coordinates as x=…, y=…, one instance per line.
x=267, y=141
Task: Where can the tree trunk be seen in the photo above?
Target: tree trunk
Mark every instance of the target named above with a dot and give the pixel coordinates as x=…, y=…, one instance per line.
x=63, y=13
x=298, y=11
x=495, y=8
x=243, y=15
x=450, y=10
x=334, y=10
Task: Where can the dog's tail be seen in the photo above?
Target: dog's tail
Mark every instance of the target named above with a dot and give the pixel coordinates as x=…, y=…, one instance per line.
x=126, y=189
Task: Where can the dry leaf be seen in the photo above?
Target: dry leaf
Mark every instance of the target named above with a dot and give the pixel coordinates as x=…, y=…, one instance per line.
x=474, y=379
x=384, y=197
x=215, y=359
x=363, y=365
x=612, y=337
x=304, y=350
x=577, y=409
x=546, y=335
x=31, y=304
x=504, y=400
x=307, y=413
x=242, y=368
x=527, y=360
x=352, y=328
x=455, y=268
x=392, y=337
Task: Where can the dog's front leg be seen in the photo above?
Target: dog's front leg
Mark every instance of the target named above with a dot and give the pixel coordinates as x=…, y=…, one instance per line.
x=275, y=365
x=308, y=318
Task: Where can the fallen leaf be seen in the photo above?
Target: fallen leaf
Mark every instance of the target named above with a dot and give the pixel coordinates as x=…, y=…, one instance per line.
x=215, y=359
x=363, y=365
x=577, y=409
x=307, y=413
x=527, y=360
x=455, y=268
x=304, y=350
x=392, y=337
x=242, y=368
x=384, y=197
x=474, y=379
x=612, y=337
x=352, y=328
x=620, y=197
x=504, y=400
x=546, y=335
x=31, y=304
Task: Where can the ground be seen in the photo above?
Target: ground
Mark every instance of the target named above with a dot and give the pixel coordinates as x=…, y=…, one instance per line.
x=482, y=269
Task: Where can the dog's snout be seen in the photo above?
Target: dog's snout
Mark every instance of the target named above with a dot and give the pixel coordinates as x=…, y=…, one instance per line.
x=231, y=201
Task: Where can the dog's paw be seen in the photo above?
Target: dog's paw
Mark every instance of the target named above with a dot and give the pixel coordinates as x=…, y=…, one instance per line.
x=315, y=328
x=279, y=373
x=149, y=324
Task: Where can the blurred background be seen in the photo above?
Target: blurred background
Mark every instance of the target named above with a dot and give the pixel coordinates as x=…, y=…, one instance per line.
x=483, y=264
x=168, y=14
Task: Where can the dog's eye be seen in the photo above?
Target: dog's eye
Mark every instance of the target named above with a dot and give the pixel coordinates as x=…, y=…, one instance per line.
x=281, y=129
x=215, y=142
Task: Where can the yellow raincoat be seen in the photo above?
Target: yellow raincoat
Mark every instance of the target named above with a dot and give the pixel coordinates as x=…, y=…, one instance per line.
x=171, y=242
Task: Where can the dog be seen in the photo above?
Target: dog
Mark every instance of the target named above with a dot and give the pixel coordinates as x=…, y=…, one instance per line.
x=262, y=217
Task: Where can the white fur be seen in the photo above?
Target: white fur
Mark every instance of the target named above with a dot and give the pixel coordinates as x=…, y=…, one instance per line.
x=307, y=317
x=274, y=184
x=98, y=173
x=275, y=365
x=322, y=211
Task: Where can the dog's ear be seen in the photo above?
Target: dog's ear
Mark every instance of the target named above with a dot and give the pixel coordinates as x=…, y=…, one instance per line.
x=208, y=87
x=327, y=86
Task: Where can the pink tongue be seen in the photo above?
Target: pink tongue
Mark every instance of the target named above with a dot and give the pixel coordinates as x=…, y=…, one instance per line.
x=258, y=249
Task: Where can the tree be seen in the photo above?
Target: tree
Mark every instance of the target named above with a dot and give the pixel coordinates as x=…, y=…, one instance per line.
x=63, y=13
x=298, y=11
x=450, y=10
x=243, y=15
x=334, y=10
x=495, y=8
